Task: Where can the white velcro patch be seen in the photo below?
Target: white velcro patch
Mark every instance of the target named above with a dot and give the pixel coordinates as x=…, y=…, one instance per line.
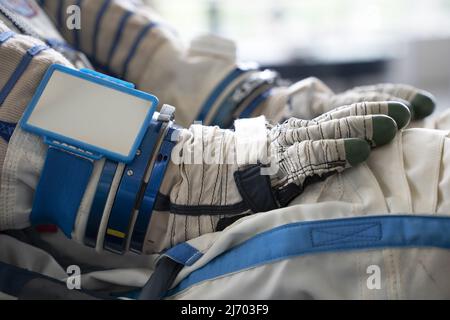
x=251, y=141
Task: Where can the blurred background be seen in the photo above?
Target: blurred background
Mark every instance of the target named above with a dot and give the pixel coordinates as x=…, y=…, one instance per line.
x=343, y=42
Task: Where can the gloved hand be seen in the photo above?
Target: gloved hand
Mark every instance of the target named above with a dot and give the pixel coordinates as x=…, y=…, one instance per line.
x=194, y=197
x=311, y=97
x=216, y=175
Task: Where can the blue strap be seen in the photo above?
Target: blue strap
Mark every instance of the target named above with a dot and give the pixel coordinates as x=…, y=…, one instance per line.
x=247, y=112
x=218, y=91
x=118, y=36
x=151, y=191
x=184, y=254
x=303, y=238
x=99, y=202
x=33, y=51
x=60, y=190
x=7, y=130
x=128, y=191
x=98, y=21
x=135, y=46
x=56, y=43
x=5, y=36
x=23, y=65
x=60, y=44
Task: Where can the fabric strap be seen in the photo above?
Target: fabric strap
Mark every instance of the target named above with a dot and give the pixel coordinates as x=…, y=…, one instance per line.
x=161, y=280
x=60, y=189
x=255, y=189
x=325, y=236
x=167, y=270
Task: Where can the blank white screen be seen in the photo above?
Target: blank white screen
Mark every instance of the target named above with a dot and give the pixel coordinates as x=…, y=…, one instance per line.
x=90, y=113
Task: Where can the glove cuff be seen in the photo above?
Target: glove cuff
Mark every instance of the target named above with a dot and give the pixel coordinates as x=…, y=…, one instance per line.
x=255, y=189
x=257, y=192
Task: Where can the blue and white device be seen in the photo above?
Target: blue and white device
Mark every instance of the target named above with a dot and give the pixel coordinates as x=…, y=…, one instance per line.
x=88, y=112
x=83, y=116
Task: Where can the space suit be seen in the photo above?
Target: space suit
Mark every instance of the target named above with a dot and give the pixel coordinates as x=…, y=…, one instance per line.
x=202, y=207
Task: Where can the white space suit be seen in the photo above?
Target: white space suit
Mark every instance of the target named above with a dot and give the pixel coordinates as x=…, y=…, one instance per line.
x=125, y=39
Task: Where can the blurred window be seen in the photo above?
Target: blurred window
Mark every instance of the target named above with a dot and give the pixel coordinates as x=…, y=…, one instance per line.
x=276, y=31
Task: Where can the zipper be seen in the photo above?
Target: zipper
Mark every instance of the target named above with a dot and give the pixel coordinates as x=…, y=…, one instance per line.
x=19, y=23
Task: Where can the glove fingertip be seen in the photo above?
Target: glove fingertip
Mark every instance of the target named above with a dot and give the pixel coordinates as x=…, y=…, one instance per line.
x=423, y=105
x=384, y=129
x=356, y=150
x=400, y=113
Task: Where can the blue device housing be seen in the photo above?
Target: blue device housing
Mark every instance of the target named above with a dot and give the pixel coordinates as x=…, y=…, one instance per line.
x=69, y=163
x=80, y=147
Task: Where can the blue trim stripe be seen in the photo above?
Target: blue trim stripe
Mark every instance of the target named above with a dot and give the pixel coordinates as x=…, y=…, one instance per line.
x=303, y=238
x=7, y=130
x=217, y=91
x=184, y=254
x=118, y=36
x=224, y=114
x=23, y=65
x=5, y=36
x=55, y=43
x=247, y=112
x=98, y=21
x=135, y=46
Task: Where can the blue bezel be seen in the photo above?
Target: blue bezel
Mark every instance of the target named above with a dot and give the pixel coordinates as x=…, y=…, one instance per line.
x=97, y=78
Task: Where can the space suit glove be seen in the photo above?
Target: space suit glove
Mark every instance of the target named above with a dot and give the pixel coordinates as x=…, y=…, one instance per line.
x=218, y=176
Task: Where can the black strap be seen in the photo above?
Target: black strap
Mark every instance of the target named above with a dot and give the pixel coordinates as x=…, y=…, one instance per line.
x=227, y=221
x=255, y=189
x=163, y=203
x=288, y=193
x=161, y=280
x=257, y=192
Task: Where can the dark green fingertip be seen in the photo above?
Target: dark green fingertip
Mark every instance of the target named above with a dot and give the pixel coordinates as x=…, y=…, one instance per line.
x=356, y=150
x=423, y=105
x=384, y=129
x=400, y=113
